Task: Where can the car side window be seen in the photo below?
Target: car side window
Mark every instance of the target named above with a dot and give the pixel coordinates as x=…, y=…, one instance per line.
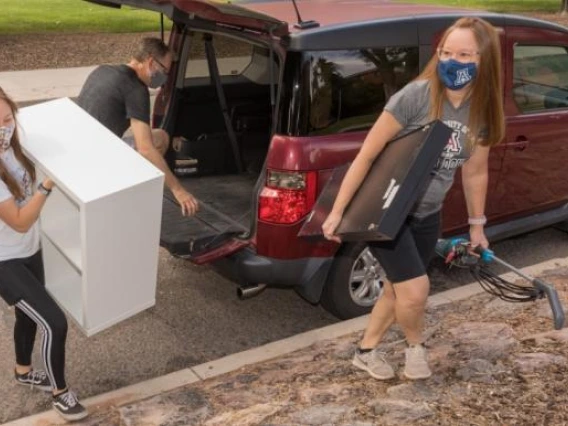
x=348, y=89
x=540, y=77
x=233, y=56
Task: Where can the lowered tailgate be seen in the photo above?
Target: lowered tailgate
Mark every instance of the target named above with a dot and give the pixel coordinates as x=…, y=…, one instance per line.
x=224, y=214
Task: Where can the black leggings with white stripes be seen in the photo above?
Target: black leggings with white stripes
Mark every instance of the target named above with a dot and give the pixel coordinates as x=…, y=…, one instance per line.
x=22, y=284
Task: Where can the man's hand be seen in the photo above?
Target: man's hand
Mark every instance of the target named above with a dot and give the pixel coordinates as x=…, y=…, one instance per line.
x=187, y=202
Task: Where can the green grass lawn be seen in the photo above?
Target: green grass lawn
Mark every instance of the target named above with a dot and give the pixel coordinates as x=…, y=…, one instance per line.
x=511, y=6
x=40, y=16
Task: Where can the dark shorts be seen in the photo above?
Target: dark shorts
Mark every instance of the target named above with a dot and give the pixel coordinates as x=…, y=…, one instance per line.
x=21, y=278
x=408, y=255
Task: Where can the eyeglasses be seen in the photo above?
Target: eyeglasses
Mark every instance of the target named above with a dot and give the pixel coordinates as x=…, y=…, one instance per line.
x=164, y=69
x=462, y=56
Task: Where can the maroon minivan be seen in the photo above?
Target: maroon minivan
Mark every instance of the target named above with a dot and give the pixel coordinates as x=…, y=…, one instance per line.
x=265, y=99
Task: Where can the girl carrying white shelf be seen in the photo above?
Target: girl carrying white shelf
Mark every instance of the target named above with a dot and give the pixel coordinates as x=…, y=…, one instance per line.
x=22, y=282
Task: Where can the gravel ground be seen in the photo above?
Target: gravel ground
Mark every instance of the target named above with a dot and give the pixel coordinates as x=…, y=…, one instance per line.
x=493, y=362
x=37, y=51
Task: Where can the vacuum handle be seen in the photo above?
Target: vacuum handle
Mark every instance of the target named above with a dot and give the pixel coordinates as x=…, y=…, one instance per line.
x=555, y=305
x=485, y=254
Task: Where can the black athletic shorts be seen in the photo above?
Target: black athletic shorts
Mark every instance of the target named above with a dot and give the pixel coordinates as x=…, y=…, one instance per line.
x=21, y=277
x=408, y=255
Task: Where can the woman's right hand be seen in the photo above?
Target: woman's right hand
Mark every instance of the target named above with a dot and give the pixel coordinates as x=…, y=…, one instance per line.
x=48, y=183
x=330, y=225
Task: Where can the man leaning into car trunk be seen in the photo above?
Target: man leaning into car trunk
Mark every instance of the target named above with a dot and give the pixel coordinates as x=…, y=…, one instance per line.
x=118, y=97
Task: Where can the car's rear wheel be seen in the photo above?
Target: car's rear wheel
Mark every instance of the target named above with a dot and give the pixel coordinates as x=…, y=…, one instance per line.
x=354, y=283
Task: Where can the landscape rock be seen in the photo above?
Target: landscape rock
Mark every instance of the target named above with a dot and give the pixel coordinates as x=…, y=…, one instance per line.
x=554, y=336
x=321, y=414
x=400, y=412
x=486, y=340
x=531, y=362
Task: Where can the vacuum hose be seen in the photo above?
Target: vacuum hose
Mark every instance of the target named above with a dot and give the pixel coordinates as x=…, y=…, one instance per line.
x=458, y=252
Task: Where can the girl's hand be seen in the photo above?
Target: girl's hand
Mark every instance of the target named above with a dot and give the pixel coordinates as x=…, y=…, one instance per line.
x=477, y=236
x=48, y=183
x=330, y=225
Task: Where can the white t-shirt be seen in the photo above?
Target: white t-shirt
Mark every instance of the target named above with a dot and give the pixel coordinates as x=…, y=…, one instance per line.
x=14, y=244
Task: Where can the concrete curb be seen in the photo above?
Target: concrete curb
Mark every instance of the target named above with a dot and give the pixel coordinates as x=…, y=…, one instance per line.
x=156, y=386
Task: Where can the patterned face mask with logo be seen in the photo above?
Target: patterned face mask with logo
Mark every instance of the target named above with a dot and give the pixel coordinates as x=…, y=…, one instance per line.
x=456, y=75
x=6, y=133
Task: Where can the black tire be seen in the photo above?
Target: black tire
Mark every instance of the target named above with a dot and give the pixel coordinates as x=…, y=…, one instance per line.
x=562, y=226
x=337, y=297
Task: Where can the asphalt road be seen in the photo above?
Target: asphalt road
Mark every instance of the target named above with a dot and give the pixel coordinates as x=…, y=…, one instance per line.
x=197, y=318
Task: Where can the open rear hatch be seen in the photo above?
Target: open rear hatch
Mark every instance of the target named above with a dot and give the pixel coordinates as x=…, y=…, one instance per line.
x=217, y=12
x=223, y=223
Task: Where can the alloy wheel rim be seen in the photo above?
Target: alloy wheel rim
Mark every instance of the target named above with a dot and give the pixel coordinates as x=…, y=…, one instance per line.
x=366, y=279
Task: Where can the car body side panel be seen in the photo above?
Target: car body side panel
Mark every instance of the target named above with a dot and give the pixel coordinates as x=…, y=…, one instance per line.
x=314, y=152
x=536, y=142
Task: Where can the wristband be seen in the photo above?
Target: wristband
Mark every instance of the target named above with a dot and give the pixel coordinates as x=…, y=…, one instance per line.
x=42, y=189
x=481, y=220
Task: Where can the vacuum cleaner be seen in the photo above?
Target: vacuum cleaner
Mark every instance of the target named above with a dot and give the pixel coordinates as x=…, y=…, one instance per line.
x=458, y=252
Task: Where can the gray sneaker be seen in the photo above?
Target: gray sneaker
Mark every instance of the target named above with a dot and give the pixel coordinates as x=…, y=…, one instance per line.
x=35, y=379
x=68, y=406
x=374, y=363
x=416, y=363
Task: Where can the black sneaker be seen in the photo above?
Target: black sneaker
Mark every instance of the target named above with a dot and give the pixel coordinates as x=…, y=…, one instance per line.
x=33, y=378
x=68, y=406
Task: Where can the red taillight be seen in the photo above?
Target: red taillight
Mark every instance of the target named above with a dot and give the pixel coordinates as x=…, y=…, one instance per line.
x=287, y=197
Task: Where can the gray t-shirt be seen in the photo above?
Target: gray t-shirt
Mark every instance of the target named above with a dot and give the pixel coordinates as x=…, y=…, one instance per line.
x=411, y=107
x=14, y=244
x=113, y=94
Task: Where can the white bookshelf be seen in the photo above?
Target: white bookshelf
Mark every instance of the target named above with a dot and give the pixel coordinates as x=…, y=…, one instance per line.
x=100, y=226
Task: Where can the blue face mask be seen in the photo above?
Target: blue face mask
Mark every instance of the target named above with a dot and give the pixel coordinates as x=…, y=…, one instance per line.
x=455, y=75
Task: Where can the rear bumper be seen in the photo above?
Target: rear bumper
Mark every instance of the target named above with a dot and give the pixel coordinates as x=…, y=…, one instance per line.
x=306, y=275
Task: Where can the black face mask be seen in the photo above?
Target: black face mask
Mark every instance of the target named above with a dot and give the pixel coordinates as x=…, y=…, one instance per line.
x=157, y=79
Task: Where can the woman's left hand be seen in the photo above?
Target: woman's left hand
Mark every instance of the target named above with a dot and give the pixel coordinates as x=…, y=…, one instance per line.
x=477, y=236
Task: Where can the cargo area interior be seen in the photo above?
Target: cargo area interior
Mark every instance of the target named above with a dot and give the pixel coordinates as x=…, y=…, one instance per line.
x=220, y=119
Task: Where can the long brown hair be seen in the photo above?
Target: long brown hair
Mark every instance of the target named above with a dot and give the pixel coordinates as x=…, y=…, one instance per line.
x=14, y=187
x=486, y=115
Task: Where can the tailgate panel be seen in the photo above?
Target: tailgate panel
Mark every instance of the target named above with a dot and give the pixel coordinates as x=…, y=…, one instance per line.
x=225, y=212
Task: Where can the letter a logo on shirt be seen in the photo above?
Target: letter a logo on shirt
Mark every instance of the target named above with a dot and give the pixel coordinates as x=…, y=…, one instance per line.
x=462, y=76
x=453, y=145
